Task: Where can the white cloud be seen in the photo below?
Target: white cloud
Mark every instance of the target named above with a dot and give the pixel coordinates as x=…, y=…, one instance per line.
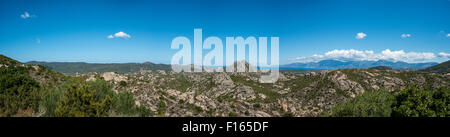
x=406, y=35
x=448, y=35
x=444, y=55
x=369, y=55
x=360, y=35
x=119, y=35
x=26, y=15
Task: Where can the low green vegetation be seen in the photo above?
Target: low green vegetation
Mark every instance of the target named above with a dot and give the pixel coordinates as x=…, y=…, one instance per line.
x=289, y=114
x=443, y=68
x=264, y=88
x=369, y=104
x=21, y=95
x=179, y=82
x=17, y=90
x=411, y=102
x=419, y=103
x=95, y=99
x=49, y=100
x=123, y=83
x=232, y=114
x=125, y=105
x=84, y=100
x=8, y=61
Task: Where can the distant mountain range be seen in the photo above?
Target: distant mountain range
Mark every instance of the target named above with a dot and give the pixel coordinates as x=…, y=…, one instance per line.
x=72, y=68
x=335, y=64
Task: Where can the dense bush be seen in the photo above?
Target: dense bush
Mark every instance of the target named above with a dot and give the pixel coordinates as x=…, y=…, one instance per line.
x=419, y=103
x=122, y=83
x=17, y=90
x=411, y=102
x=368, y=104
x=49, y=100
x=125, y=105
x=76, y=98
x=85, y=100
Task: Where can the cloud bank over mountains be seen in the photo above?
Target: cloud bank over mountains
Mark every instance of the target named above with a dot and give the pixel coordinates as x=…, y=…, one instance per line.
x=369, y=55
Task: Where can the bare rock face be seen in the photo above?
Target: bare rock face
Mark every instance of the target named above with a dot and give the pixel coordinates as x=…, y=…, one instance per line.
x=343, y=83
x=239, y=93
x=162, y=72
x=262, y=114
x=392, y=83
x=223, y=79
x=35, y=67
x=244, y=93
x=91, y=78
x=242, y=66
x=112, y=76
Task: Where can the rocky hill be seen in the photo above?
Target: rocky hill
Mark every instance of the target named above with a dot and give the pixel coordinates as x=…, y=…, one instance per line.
x=222, y=94
x=240, y=94
x=443, y=68
x=40, y=73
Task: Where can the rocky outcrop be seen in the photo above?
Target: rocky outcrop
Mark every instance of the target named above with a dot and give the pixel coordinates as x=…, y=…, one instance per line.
x=343, y=83
x=294, y=94
x=112, y=76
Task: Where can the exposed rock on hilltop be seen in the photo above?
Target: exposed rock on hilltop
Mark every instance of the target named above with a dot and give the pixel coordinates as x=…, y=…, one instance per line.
x=231, y=94
x=112, y=76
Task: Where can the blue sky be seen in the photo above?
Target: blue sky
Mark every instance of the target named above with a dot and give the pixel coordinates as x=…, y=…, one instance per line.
x=310, y=30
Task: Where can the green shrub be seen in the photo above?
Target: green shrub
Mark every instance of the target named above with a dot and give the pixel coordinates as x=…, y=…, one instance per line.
x=257, y=105
x=125, y=103
x=50, y=99
x=122, y=83
x=91, y=99
x=198, y=109
x=419, y=103
x=162, y=104
x=247, y=113
x=181, y=101
x=368, y=104
x=411, y=102
x=161, y=112
x=17, y=90
x=142, y=112
x=289, y=114
x=232, y=114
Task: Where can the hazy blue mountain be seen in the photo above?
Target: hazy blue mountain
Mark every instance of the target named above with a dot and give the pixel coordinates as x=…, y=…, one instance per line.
x=335, y=64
